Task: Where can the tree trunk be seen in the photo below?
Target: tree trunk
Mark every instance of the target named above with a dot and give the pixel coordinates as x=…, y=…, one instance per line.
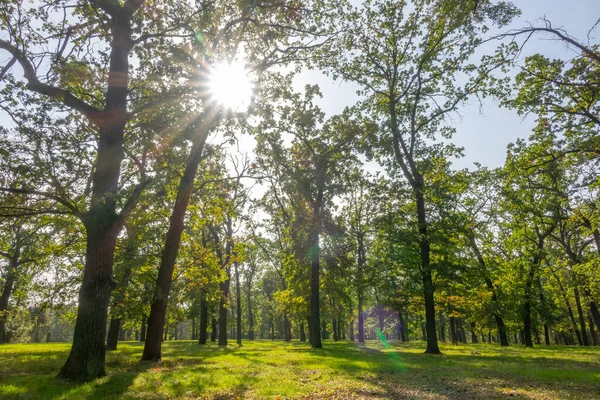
x=401, y=327
x=250, y=315
x=360, y=295
x=203, y=321
x=112, y=337
x=453, y=335
x=335, y=330
x=593, y=333
x=238, y=291
x=143, y=330
x=156, y=320
x=593, y=308
x=287, y=336
x=428, y=291
x=215, y=329
x=441, y=328
x=6, y=292
x=527, y=331
x=473, y=335
x=302, y=333
x=584, y=336
x=272, y=328
x=223, y=312
x=86, y=359
x=351, y=332
x=315, y=315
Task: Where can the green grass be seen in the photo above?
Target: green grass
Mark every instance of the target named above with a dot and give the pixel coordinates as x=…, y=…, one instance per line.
x=265, y=369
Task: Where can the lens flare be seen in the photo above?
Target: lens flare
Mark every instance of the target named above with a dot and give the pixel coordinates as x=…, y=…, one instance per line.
x=231, y=86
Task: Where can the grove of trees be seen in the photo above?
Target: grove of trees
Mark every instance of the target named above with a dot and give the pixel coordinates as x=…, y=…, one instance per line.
x=133, y=208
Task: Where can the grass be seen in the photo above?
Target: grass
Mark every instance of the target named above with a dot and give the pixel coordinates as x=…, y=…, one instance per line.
x=278, y=370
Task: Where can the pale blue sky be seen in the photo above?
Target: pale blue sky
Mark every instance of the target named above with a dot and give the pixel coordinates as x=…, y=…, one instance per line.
x=485, y=135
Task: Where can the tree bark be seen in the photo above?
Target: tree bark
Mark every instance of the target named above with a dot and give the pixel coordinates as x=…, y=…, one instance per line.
x=584, y=336
x=203, y=321
x=360, y=295
x=428, y=290
x=315, y=315
x=527, y=328
x=6, y=292
x=473, y=335
x=302, y=333
x=401, y=327
x=112, y=337
x=453, y=334
x=143, y=329
x=238, y=291
x=223, y=314
x=215, y=329
x=86, y=359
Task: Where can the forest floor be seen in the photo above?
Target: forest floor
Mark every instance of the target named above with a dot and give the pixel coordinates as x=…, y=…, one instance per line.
x=279, y=370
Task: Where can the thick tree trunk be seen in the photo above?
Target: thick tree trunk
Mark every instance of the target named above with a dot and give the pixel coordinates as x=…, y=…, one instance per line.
x=86, y=359
x=156, y=320
x=203, y=321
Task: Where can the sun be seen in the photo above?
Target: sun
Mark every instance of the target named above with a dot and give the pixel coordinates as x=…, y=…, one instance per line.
x=231, y=86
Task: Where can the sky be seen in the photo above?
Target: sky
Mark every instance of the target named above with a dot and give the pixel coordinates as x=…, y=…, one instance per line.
x=485, y=133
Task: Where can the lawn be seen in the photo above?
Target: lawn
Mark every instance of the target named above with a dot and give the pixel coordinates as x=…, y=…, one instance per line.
x=279, y=370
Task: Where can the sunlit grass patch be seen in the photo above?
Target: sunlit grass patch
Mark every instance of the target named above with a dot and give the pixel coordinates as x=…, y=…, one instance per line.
x=343, y=370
